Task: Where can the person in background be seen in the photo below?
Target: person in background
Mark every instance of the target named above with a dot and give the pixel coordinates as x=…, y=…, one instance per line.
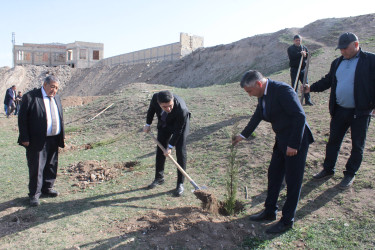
x=295, y=52
x=9, y=100
x=18, y=102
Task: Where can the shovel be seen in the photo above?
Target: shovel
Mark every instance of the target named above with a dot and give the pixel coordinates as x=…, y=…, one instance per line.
x=178, y=165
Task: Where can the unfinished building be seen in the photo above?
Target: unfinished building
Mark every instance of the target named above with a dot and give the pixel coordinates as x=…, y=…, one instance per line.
x=76, y=55
x=168, y=52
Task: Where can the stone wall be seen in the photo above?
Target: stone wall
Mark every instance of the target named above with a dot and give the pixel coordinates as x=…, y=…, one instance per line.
x=168, y=52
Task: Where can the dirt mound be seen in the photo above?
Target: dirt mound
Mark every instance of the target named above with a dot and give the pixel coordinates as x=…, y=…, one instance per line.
x=210, y=203
x=223, y=63
x=28, y=77
x=186, y=227
x=88, y=173
x=72, y=101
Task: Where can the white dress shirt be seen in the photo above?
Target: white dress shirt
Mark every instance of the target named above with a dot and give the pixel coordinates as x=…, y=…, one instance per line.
x=47, y=105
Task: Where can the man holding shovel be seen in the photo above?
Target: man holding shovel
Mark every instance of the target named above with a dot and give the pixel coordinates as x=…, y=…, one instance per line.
x=297, y=54
x=173, y=129
x=278, y=104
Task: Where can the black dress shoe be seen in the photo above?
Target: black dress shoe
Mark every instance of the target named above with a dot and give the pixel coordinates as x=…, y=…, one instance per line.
x=155, y=183
x=179, y=190
x=51, y=193
x=34, y=202
x=263, y=216
x=347, y=181
x=323, y=174
x=309, y=104
x=279, y=227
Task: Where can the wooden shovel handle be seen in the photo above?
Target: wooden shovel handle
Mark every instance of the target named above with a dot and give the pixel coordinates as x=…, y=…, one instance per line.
x=173, y=160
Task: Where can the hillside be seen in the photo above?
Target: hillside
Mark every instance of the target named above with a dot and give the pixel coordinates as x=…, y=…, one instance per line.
x=118, y=212
x=207, y=66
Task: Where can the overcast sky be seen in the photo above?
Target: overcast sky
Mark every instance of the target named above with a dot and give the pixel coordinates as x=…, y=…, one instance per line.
x=125, y=26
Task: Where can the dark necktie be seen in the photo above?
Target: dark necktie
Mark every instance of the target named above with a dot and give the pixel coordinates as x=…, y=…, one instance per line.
x=53, y=116
x=164, y=118
x=263, y=101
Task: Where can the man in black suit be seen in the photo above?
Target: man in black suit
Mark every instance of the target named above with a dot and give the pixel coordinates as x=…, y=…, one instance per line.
x=41, y=132
x=279, y=105
x=173, y=129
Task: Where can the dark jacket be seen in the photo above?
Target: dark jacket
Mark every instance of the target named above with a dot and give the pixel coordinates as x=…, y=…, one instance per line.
x=294, y=54
x=32, y=120
x=176, y=119
x=9, y=95
x=284, y=112
x=364, y=84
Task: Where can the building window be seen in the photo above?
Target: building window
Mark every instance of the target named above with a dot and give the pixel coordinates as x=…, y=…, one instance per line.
x=95, y=55
x=82, y=54
x=45, y=57
x=70, y=55
x=60, y=57
x=20, y=55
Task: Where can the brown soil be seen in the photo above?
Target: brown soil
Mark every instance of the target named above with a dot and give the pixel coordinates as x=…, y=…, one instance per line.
x=209, y=201
x=185, y=228
x=212, y=205
x=88, y=173
x=72, y=101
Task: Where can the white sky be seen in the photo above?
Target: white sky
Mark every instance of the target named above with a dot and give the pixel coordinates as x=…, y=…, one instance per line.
x=129, y=25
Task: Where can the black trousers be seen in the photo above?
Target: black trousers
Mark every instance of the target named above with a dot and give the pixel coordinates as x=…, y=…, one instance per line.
x=340, y=123
x=164, y=135
x=42, y=167
x=292, y=168
x=293, y=75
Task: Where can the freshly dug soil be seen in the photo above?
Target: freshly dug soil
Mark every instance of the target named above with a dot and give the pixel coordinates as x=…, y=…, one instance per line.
x=88, y=173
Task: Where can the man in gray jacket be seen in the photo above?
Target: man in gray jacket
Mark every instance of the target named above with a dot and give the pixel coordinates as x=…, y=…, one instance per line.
x=352, y=99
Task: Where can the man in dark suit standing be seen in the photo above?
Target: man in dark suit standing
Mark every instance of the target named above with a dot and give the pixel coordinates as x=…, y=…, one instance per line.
x=41, y=132
x=279, y=105
x=173, y=129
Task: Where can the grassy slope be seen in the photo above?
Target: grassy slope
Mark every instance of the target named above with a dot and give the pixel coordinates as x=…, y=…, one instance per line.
x=327, y=218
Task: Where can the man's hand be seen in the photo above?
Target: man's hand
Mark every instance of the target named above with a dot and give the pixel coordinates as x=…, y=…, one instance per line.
x=168, y=151
x=236, y=140
x=25, y=143
x=146, y=129
x=303, y=53
x=306, y=88
x=291, y=151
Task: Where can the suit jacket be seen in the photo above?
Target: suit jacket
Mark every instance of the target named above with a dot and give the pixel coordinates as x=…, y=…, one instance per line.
x=32, y=120
x=284, y=112
x=9, y=95
x=294, y=54
x=176, y=119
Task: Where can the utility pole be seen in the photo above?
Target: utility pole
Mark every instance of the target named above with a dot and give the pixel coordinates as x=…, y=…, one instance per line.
x=13, y=44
